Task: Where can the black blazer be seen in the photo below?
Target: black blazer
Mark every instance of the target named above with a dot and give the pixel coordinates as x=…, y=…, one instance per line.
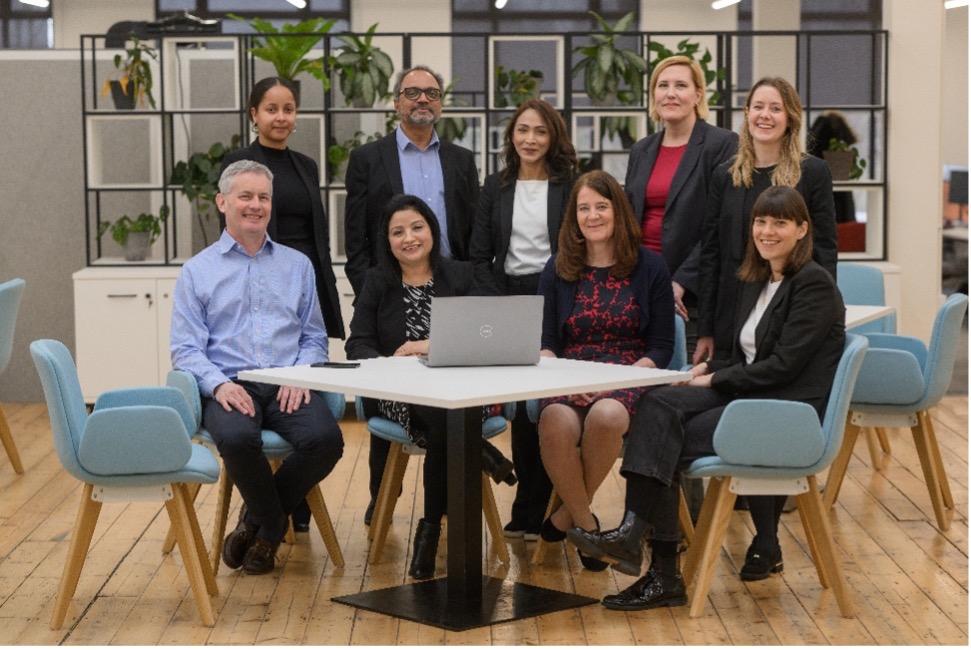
x=726, y=234
x=378, y=325
x=374, y=176
x=799, y=341
x=330, y=305
x=684, y=211
x=493, y=228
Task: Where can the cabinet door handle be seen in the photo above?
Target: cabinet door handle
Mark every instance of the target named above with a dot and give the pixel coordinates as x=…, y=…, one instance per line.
x=122, y=295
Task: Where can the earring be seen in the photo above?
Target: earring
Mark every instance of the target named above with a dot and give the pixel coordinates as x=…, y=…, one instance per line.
x=294, y=129
x=255, y=128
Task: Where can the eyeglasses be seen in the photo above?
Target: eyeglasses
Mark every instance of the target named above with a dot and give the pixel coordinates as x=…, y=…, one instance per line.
x=433, y=94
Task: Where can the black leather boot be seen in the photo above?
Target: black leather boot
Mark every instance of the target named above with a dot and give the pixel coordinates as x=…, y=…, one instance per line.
x=426, y=548
x=620, y=546
x=496, y=465
x=661, y=586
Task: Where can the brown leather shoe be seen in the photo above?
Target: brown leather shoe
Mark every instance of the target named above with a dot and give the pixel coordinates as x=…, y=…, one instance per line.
x=238, y=542
x=261, y=557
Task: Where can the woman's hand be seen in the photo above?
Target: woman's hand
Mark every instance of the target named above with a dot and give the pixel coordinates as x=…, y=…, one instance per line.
x=702, y=381
x=547, y=353
x=699, y=370
x=679, y=307
x=412, y=349
x=704, y=349
x=645, y=362
x=584, y=399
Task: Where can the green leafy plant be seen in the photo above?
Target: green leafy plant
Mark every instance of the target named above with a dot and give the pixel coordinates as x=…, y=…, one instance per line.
x=136, y=73
x=340, y=153
x=145, y=222
x=513, y=87
x=690, y=50
x=198, y=179
x=854, y=164
x=363, y=69
x=287, y=51
x=610, y=72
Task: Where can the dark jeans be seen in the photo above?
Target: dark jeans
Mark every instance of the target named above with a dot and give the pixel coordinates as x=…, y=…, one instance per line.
x=317, y=442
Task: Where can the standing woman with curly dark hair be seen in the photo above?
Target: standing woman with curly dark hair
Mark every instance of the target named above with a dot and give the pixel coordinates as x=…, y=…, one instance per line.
x=515, y=232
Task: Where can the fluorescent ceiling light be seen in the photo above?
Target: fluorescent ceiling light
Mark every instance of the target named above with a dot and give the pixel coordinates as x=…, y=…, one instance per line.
x=299, y=4
x=43, y=4
x=500, y=4
x=954, y=4
x=721, y=4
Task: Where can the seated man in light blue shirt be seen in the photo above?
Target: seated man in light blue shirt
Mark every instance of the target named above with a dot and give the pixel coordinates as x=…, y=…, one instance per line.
x=247, y=302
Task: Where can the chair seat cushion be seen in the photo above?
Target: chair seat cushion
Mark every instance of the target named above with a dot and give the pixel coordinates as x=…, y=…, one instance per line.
x=202, y=467
x=769, y=433
x=388, y=430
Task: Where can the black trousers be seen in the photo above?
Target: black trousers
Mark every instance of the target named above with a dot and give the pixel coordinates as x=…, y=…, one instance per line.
x=317, y=442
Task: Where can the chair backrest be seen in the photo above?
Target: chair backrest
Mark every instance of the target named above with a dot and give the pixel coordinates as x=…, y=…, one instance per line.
x=862, y=284
x=834, y=420
x=65, y=401
x=680, y=357
x=942, y=349
x=10, y=294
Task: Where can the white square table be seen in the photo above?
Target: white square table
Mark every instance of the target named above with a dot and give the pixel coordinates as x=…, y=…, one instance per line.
x=464, y=599
x=857, y=315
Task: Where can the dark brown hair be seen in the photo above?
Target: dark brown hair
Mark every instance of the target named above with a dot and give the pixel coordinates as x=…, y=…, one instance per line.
x=263, y=85
x=572, y=256
x=561, y=158
x=779, y=202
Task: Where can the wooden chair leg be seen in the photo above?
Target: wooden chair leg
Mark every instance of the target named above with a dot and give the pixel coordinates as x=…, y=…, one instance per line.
x=884, y=440
x=224, y=495
x=493, y=522
x=84, y=526
x=813, y=507
x=711, y=546
x=394, y=473
x=813, y=545
x=935, y=450
x=837, y=471
x=198, y=542
x=540, y=553
x=181, y=513
x=6, y=436
x=701, y=531
x=928, y=453
x=684, y=518
x=878, y=446
x=315, y=499
x=169, y=542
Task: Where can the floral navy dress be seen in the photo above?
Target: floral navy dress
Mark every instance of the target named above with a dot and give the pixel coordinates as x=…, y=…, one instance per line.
x=418, y=311
x=604, y=326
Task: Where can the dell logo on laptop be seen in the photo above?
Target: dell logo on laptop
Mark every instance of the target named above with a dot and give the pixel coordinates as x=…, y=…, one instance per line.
x=485, y=331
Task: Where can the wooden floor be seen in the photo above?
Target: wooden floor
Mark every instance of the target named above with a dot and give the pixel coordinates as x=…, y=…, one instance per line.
x=909, y=580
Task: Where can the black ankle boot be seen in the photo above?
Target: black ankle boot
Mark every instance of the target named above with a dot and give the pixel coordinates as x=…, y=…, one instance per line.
x=661, y=586
x=620, y=546
x=426, y=548
x=496, y=465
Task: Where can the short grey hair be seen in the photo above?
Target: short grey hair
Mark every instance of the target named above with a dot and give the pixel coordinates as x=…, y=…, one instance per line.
x=242, y=167
x=404, y=73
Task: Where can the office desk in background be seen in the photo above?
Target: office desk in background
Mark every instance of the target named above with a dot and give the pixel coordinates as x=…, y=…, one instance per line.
x=465, y=599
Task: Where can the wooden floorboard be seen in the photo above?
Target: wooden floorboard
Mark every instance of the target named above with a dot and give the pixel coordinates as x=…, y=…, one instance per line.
x=908, y=579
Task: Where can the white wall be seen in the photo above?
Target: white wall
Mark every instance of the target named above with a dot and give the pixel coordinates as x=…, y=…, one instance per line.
x=72, y=18
x=955, y=91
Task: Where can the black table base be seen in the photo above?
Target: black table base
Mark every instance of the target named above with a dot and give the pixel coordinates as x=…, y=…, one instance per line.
x=427, y=602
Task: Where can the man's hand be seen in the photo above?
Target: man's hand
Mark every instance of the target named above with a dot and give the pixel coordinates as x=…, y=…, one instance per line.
x=412, y=349
x=704, y=349
x=233, y=396
x=292, y=398
x=679, y=307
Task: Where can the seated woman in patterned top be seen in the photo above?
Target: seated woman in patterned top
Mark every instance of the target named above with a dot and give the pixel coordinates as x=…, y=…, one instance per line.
x=606, y=299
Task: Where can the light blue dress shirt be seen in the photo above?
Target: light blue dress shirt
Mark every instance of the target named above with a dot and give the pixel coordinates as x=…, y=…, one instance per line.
x=421, y=175
x=235, y=312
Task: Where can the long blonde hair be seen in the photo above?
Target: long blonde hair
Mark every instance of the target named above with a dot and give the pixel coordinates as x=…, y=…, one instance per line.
x=789, y=168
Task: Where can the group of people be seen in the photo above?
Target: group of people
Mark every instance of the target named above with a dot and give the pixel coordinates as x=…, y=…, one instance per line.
x=734, y=234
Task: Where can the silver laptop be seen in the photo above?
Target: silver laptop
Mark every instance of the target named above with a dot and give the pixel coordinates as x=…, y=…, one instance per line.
x=485, y=331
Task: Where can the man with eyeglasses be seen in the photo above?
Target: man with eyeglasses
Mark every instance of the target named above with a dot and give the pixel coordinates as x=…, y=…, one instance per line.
x=410, y=160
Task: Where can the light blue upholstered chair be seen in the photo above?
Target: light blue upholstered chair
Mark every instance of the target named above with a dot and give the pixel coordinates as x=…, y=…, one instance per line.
x=862, y=284
x=394, y=475
x=901, y=380
x=10, y=294
x=135, y=446
x=276, y=450
x=774, y=447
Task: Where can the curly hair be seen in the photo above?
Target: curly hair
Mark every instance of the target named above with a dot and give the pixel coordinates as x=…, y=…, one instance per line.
x=789, y=169
x=572, y=256
x=780, y=202
x=387, y=264
x=561, y=158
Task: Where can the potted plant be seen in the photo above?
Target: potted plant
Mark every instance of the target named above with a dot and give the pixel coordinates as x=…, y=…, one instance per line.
x=845, y=163
x=513, y=87
x=135, y=81
x=611, y=73
x=198, y=178
x=338, y=154
x=363, y=69
x=138, y=234
x=287, y=51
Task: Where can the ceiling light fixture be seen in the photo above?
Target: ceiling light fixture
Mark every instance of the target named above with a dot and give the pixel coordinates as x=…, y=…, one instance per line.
x=721, y=4
x=43, y=4
x=500, y=4
x=299, y=4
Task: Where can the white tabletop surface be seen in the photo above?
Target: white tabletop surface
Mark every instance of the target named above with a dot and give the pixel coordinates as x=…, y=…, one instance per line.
x=406, y=379
x=857, y=315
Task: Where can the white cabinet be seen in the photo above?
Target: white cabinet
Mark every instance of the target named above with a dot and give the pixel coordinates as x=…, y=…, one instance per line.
x=121, y=322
